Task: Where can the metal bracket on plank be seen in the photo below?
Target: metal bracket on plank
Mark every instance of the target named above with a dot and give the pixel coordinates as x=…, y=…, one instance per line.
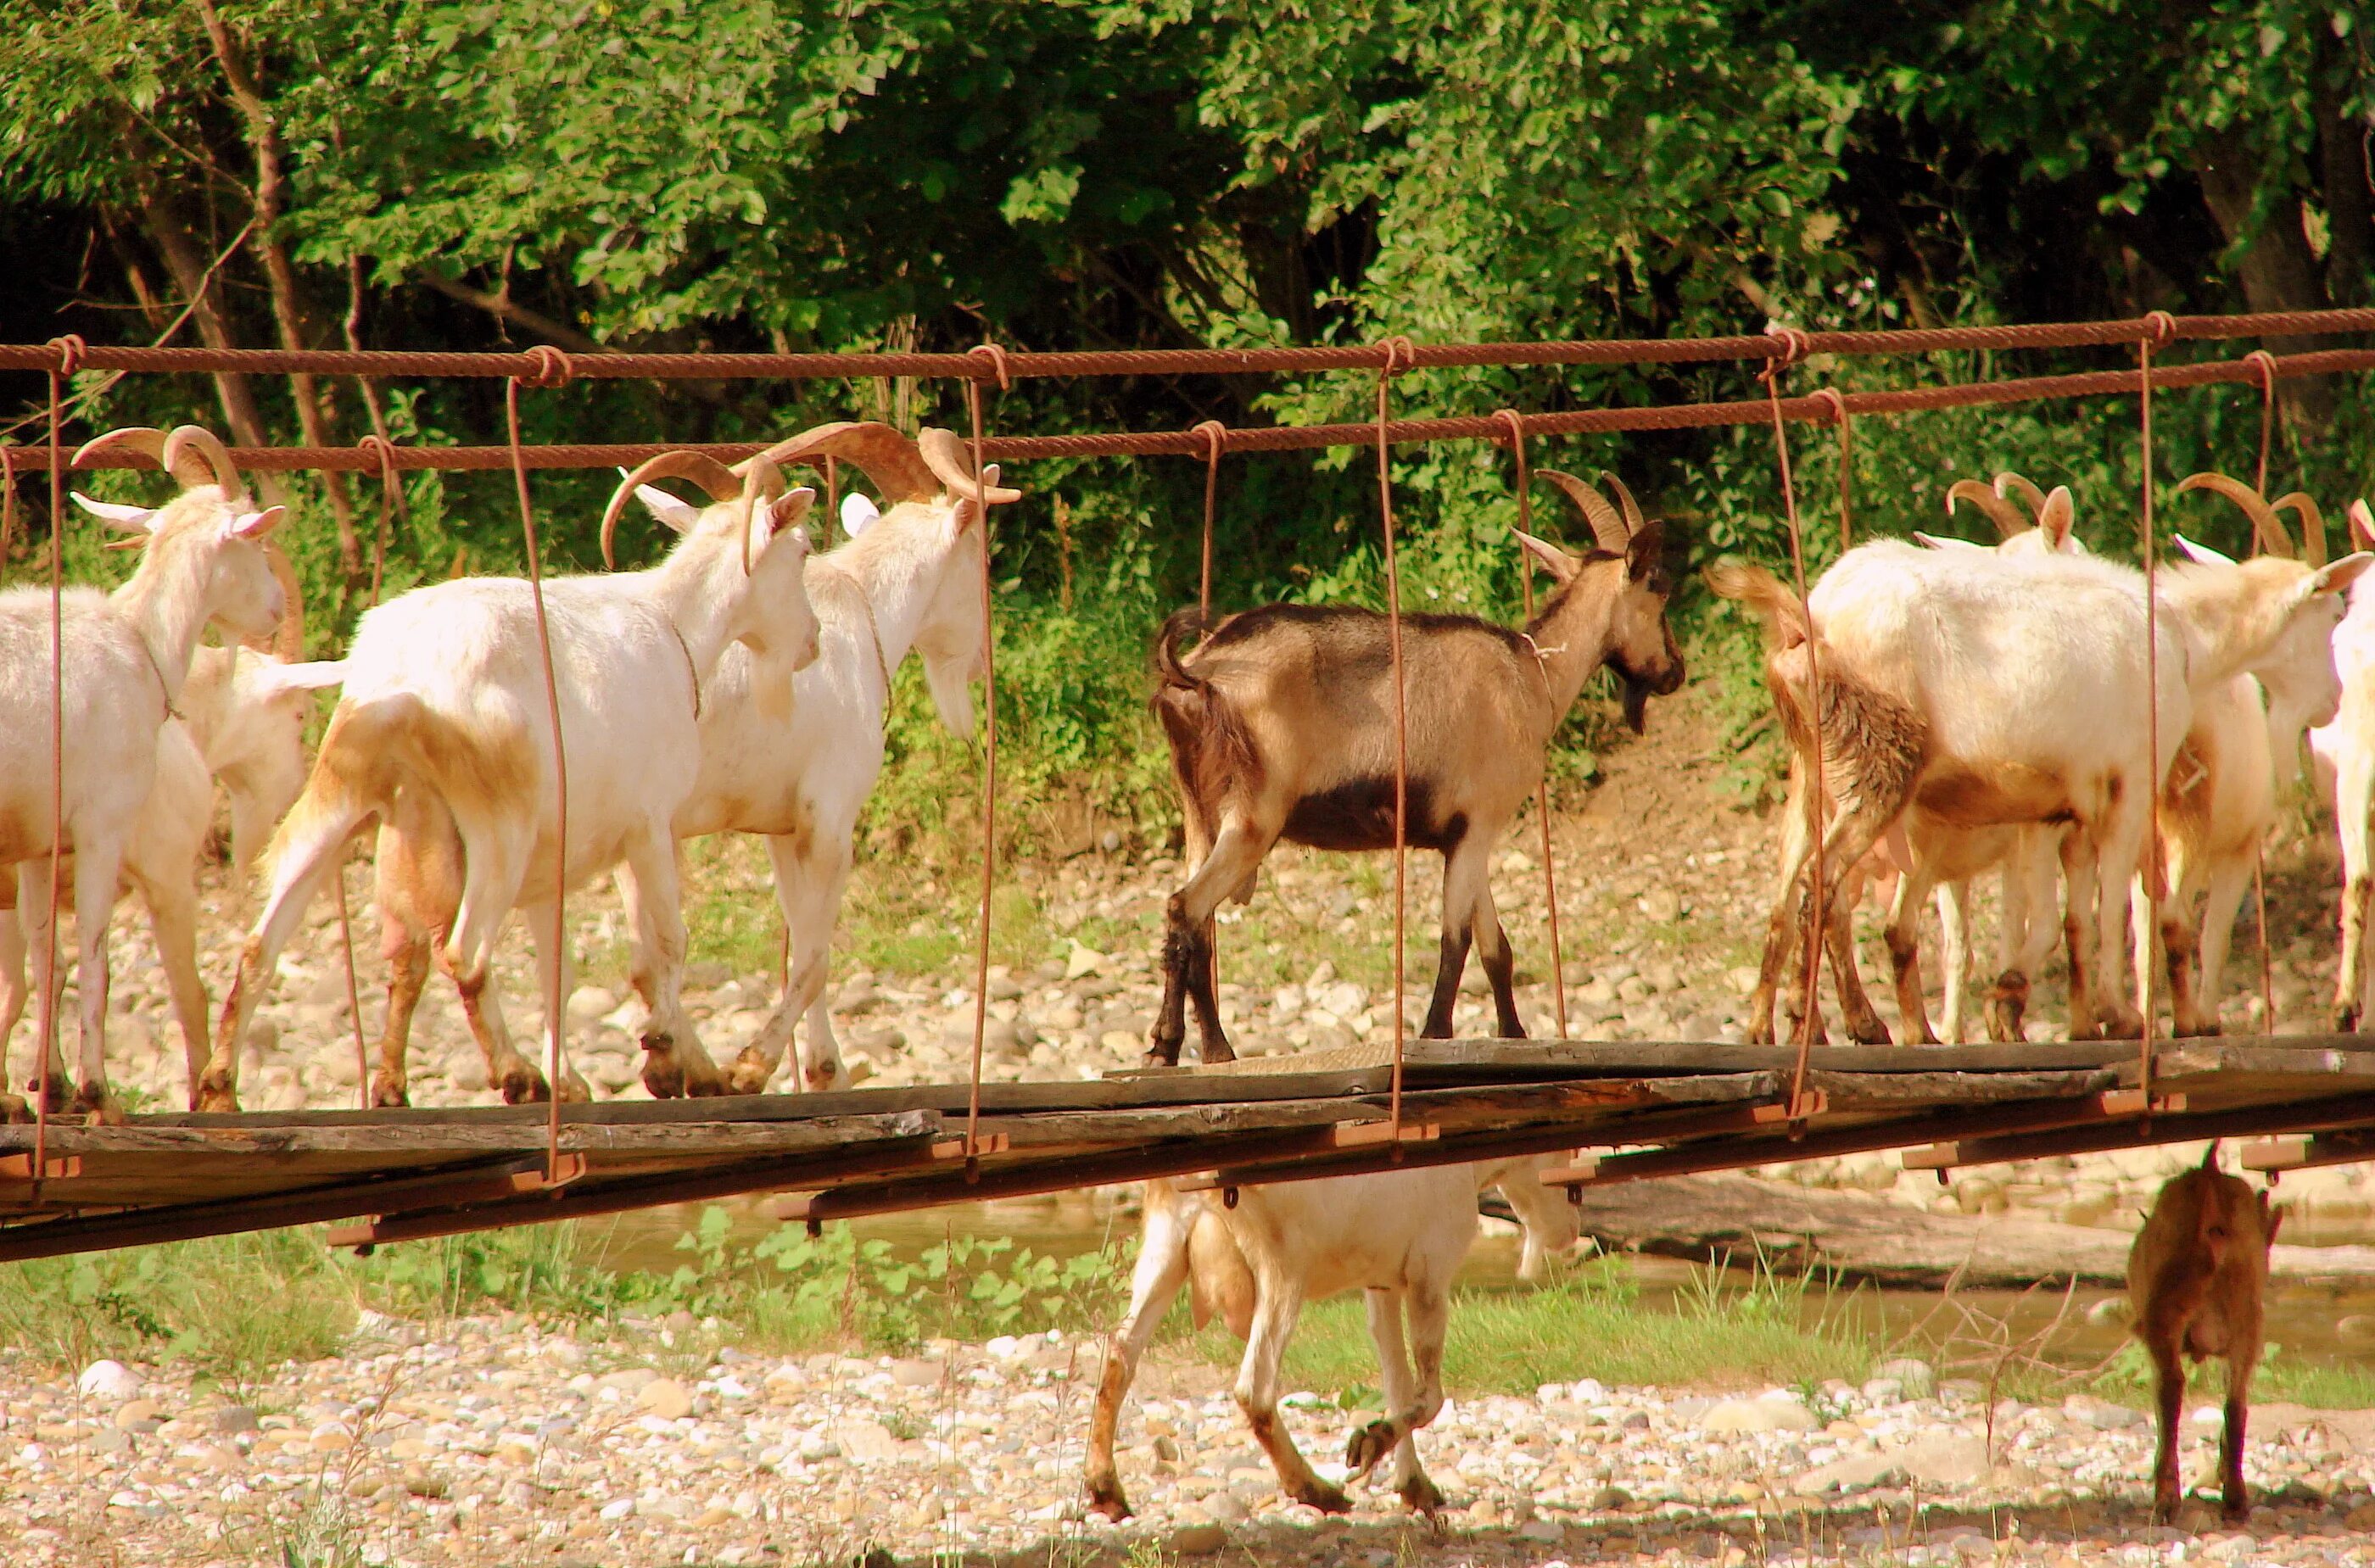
x=365, y=1234
x=2111, y=1105
x=19, y=1168
x=1362, y=1135
x=987, y=1143
x=1585, y=1170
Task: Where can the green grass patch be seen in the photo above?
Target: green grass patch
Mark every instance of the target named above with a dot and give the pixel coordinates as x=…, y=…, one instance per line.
x=1593, y=1323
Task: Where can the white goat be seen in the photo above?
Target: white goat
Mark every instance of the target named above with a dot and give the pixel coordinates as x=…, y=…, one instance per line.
x=1400, y=1235
x=909, y=578
x=2345, y=750
x=127, y=655
x=442, y=735
x=1993, y=690
x=237, y=704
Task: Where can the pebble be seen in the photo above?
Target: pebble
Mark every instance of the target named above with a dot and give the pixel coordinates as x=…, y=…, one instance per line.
x=666, y=1398
x=109, y=1382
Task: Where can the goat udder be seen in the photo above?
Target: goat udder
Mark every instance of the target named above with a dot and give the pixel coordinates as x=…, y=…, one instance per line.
x=1359, y=814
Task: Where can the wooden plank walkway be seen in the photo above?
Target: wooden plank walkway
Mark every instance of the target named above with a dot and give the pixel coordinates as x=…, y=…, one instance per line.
x=1647, y=1109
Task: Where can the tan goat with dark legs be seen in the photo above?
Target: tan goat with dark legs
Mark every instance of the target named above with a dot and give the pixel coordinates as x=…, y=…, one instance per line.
x=2197, y=1276
x=1281, y=725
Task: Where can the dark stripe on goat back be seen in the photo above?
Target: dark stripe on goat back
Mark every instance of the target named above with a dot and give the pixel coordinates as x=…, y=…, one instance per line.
x=1359, y=814
x=1347, y=636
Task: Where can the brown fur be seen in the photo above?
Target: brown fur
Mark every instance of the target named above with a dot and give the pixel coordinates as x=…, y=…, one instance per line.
x=1281, y=725
x=2197, y=1276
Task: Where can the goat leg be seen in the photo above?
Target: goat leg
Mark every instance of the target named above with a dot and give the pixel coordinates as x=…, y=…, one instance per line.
x=1257, y=1394
x=1154, y=1284
x=1450, y=963
x=1862, y=1019
x=2348, y=982
x=2168, y=1398
x=1171, y=1017
x=2234, y=1497
x=1203, y=994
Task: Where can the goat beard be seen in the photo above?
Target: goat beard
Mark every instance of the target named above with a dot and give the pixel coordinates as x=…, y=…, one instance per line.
x=1636, y=704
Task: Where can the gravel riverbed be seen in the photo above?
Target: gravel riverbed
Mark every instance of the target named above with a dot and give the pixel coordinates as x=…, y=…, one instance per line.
x=496, y=1441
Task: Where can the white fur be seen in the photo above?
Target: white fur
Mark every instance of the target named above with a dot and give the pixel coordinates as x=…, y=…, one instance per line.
x=127, y=656
x=442, y=735
x=2344, y=753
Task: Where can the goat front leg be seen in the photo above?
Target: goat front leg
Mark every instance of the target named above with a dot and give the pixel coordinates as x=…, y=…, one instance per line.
x=1905, y=957
x=1954, y=901
x=173, y=921
x=97, y=863
x=1861, y=1019
x=1406, y=1409
x=483, y=1010
x=1279, y=1302
x=13, y=1107
x=2234, y=1497
x=1465, y=871
x=1235, y=858
x=33, y=935
x=674, y=1062
x=1500, y=961
x=1797, y=844
x=2354, y=795
x=556, y=977
x=2221, y=902
x=807, y=890
x=1154, y=1284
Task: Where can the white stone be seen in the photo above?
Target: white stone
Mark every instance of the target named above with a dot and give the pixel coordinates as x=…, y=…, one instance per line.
x=108, y=1380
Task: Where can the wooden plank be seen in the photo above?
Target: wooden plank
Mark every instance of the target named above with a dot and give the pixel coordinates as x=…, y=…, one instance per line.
x=434, y=1139
x=1901, y=1091
x=2339, y=1112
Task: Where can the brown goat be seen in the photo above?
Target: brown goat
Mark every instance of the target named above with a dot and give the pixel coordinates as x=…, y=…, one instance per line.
x=1281, y=725
x=2196, y=1279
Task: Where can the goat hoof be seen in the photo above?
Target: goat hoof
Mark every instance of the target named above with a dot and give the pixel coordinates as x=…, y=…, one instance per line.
x=826, y=1076
x=215, y=1095
x=1368, y=1448
x=1322, y=1496
x=523, y=1085
x=1215, y=1051
x=15, y=1109
x=1156, y=1056
x=96, y=1106
x=389, y=1094
x=663, y=1078
x=750, y=1074
x=2236, y=1512
x=1422, y=1496
x=1108, y=1504
x=2346, y=1020
x=574, y=1089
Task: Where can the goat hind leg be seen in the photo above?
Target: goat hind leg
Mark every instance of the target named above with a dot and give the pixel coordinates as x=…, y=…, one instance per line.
x=1905, y=957
x=1465, y=869
x=570, y=1085
x=1391, y=1433
x=1154, y=1284
x=1235, y=857
x=1500, y=961
x=97, y=864
x=674, y=1061
x=808, y=894
x=1279, y=1304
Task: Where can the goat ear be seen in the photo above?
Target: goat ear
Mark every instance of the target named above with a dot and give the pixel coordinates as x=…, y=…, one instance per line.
x=115, y=514
x=1940, y=542
x=1647, y=553
x=670, y=512
x=1554, y=560
x=2362, y=524
x=966, y=514
x=2201, y=555
x=2057, y=516
x=254, y=526
x=858, y=513
x=270, y=677
x=2335, y=577
x=788, y=510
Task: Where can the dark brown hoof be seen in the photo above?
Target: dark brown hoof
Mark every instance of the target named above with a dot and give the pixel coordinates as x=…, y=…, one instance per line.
x=1109, y=1505
x=1422, y=1496
x=524, y=1085
x=1215, y=1051
x=389, y=1094
x=1325, y=1498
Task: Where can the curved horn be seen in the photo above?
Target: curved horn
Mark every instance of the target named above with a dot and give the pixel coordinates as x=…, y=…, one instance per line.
x=886, y=456
x=210, y=448
x=2313, y=524
x=762, y=485
x=2009, y=484
x=287, y=639
x=1607, y=528
x=2267, y=527
x=148, y=442
x=2362, y=524
x=1632, y=508
x=702, y=469
x=2002, y=512
x=952, y=461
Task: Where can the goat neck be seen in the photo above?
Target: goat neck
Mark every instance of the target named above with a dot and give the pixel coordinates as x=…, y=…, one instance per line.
x=896, y=565
x=165, y=601
x=1570, y=633
x=698, y=587
x=2233, y=614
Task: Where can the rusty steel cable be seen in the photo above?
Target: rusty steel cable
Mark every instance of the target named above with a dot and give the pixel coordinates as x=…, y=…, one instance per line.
x=2160, y=329
x=553, y=368
x=1394, y=346
x=7, y=505
x=992, y=352
x=1810, y=1022
x=1524, y=482
x=1832, y=399
x=68, y=355
x=1814, y=409
x=2264, y=365
x=1009, y=367
x=1216, y=436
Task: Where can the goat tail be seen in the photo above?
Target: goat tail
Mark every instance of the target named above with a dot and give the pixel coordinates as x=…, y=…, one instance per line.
x=1181, y=625
x=1784, y=617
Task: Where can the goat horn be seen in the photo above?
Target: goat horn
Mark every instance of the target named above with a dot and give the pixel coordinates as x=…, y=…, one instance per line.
x=2009, y=484
x=2002, y=512
x=952, y=461
x=2362, y=524
x=2267, y=527
x=762, y=485
x=216, y=457
x=288, y=641
x=1624, y=500
x=700, y=468
x=2313, y=524
x=148, y=442
x=886, y=455
x=1607, y=528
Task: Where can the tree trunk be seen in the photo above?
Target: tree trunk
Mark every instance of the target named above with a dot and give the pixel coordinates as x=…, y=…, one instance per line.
x=2278, y=270
x=288, y=305
x=177, y=247
x=2341, y=147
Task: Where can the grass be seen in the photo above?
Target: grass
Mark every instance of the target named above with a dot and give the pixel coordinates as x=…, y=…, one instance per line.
x=1591, y=1323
